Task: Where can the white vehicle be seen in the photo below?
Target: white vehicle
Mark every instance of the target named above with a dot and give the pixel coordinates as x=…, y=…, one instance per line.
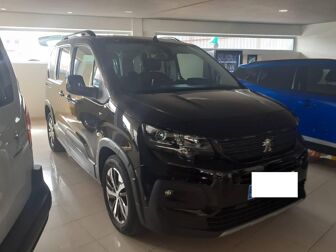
x=25, y=199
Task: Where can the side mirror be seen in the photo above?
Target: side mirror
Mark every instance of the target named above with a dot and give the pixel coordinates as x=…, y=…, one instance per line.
x=76, y=86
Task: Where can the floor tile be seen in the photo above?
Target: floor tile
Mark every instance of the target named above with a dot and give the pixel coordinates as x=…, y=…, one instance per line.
x=327, y=243
x=98, y=225
x=117, y=242
x=58, y=217
x=65, y=238
x=92, y=247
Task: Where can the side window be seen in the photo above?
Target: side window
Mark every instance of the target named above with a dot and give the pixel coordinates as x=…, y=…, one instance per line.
x=64, y=64
x=85, y=64
x=247, y=74
x=318, y=79
x=277, y=77
x=53, y=63
x=6, y=89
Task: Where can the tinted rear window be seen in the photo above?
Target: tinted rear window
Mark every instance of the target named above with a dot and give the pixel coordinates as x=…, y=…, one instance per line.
x=6, y=89
x=318, y=79
x=280, y=77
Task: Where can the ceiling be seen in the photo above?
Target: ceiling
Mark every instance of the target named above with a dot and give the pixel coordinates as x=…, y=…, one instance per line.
x=263, y=11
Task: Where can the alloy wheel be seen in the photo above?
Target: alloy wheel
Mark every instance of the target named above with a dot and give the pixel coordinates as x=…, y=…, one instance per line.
x=116, y=195
x=51, y=131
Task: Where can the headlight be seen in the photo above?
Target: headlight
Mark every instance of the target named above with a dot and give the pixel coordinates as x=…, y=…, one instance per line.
x=186, y=146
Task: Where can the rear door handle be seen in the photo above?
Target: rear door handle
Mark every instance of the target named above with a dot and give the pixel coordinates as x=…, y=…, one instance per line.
x=61, y=93
x=305, y=103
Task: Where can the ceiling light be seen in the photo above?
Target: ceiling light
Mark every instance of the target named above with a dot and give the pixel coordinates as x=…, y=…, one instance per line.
x=3, y=9
x=69, y=12
x=128, y=12
x=283, y=10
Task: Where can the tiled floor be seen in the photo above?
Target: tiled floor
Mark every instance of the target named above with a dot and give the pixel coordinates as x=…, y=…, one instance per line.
x=78, y=220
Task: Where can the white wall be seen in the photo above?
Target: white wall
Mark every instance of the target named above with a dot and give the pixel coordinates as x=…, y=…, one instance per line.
x=32, y=77
x=271, y=55
x=144, y=27
x=12, y=19
x=318, y=41
x=152, y=26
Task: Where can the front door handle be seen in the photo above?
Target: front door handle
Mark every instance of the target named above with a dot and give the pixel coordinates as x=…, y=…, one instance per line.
x=16, y=135
x=61, y=93
x=70, y=99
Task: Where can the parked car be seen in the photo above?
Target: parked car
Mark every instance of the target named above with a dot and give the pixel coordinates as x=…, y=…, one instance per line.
x=25, y=199
x=307, y=87
x=168, y=132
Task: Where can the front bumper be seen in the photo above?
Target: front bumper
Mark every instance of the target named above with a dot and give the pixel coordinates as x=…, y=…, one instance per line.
x=209, y=209
x=198, y=210
x=28, y=227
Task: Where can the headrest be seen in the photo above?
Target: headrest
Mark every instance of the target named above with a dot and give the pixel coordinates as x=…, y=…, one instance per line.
x=331, y=76
x=152, y=65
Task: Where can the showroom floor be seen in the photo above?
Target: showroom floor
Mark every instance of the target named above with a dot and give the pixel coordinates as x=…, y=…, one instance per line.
x=78, y=220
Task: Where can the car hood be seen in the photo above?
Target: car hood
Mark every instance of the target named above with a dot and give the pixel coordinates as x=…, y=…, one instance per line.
x=215, y=113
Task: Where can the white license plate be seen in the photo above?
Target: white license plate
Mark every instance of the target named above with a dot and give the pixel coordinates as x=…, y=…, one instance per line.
x=273, y=185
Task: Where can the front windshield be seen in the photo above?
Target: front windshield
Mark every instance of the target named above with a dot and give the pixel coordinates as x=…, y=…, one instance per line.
x=148, y=67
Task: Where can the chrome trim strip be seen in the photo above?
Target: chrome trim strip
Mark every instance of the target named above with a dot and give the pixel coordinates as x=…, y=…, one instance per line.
x=319, y=141
x=261, y=219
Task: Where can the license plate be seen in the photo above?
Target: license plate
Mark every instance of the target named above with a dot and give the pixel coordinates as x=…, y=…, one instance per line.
x=274, y=185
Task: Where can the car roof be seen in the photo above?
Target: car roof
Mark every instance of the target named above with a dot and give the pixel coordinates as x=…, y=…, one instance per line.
x=269, y=63
x=117, y=39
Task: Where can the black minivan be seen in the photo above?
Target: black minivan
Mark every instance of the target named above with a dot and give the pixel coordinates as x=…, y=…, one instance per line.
x=171, y=135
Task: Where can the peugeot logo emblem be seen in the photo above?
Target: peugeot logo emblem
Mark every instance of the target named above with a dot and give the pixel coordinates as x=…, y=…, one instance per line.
x=268, y=145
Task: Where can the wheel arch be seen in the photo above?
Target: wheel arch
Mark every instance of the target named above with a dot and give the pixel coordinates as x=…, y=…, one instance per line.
x=106, y=148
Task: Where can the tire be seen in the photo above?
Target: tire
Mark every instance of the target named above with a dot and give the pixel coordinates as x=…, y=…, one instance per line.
x=119, y=198
x=54, y=144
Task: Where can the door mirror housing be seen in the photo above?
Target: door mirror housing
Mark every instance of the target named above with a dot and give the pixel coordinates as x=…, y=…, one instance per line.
x=76, y=85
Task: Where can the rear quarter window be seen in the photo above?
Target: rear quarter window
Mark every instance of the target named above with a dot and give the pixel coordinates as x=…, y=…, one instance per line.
x=318, y=79
x=6, y=88
x=277, y=77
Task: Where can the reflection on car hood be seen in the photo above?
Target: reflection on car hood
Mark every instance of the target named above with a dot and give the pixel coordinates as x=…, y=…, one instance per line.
x=211, y=113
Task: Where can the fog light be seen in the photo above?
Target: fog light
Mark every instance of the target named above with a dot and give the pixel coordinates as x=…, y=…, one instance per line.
x=169, y=193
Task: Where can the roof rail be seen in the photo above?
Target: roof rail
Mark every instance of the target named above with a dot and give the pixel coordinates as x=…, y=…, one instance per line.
x=80, y=34
x=172, y=38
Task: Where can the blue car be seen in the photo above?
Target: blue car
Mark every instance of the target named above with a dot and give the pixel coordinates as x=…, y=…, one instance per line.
x=307, y=87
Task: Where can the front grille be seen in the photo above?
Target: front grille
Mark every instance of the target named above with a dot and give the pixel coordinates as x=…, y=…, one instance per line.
x=238, y=215
x=276, y=166
x=250, y=148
